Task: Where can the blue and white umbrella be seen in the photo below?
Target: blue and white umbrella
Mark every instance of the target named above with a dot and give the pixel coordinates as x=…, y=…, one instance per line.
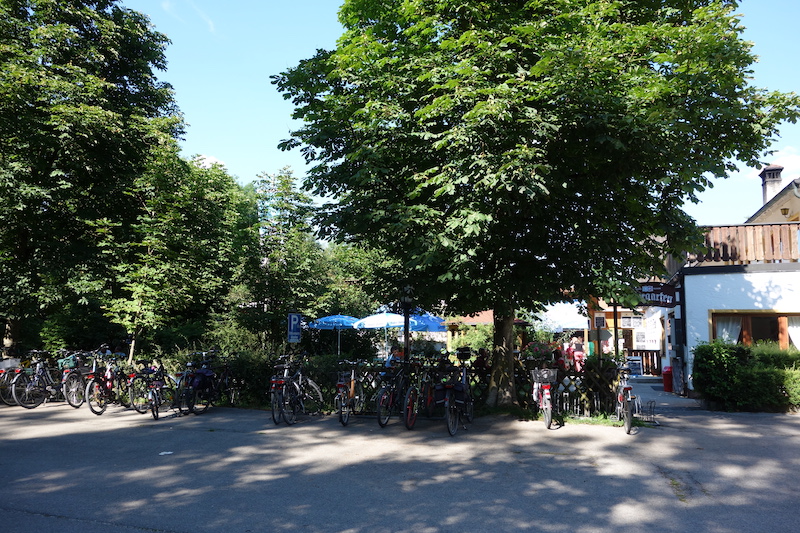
x=427, y=322
x=335, y=322
x=384, y=320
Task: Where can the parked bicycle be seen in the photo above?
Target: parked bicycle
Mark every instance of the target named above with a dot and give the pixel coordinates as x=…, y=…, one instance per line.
x=106, y=385
x=73, y=379
x=141, y=384
x=625, y=400
x=160, y=390
x=392, y=391
x=349, y=397
x=228, y=385
x=33, y=386
x=8, y=366
x=459, y=406
x=196, y=386
x=543, y=381
x=420, y=397
x=292, y=394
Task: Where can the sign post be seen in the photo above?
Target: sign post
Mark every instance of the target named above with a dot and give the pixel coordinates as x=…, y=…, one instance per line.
x=294, y=331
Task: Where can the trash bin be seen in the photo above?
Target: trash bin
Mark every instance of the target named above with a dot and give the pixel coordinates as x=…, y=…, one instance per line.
x=667, y=375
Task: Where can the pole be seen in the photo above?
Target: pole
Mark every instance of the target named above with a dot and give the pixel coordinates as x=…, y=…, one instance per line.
x=616, y=332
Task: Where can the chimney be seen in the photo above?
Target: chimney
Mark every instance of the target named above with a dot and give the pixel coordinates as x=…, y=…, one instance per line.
x=770, y=181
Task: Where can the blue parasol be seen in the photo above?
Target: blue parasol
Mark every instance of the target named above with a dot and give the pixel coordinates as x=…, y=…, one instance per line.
x=335, y=322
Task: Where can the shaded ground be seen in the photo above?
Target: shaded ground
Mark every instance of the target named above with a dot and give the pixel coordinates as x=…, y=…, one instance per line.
x=63, y=469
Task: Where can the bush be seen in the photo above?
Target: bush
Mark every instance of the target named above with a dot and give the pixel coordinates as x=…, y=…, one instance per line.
x=738, y=377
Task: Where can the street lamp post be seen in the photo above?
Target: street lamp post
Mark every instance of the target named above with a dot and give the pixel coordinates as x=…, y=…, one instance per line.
x=405, y=301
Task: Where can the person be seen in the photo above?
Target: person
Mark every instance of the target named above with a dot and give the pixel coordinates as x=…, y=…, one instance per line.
x=395, y=354
x=482, y=361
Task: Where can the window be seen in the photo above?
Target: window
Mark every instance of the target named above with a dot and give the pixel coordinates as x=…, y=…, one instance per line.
x=631, y=322
x=748, y=328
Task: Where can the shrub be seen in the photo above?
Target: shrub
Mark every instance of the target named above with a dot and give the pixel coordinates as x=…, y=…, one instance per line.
x=738, y=377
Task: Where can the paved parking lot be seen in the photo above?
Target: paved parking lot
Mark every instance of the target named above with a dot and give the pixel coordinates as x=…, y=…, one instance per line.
x=231, y=470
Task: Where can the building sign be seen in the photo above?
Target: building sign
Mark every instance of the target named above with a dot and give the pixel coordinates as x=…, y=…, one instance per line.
x=657, y=294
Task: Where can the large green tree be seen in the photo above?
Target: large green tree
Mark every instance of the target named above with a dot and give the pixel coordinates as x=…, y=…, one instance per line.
x=80, y=110
x=508, y=152
x=287, y=272
x=176, y=262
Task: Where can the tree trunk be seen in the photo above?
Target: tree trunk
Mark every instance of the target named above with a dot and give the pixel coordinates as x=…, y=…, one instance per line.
x=11, y=332
x=502, y=391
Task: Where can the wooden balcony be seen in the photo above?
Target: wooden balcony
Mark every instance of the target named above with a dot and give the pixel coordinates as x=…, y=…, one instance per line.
x=742, y=245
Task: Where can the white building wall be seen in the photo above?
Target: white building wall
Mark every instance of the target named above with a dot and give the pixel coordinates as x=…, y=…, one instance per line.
x=748, y=291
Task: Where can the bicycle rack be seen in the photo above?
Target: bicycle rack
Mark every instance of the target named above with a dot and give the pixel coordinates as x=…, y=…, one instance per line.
x=649, y=412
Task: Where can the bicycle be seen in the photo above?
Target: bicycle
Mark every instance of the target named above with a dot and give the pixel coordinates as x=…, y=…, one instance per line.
x=277, y=388
x=228, y=386
x=102, y=387
x=159, y=390
x=31, y=387
x=73, y=379
x=302, y=395
x=543, y=380
x=8, y=365
x=349, y=392
x=625, y=400
x=141, y=384
x=389, y=396
x=458, y=402
x=196, y=388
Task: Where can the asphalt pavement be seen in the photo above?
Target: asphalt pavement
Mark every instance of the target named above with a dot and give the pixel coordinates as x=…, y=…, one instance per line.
x=231, y=470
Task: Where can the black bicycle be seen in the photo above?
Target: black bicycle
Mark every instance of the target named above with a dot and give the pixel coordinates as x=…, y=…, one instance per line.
x=31, y=387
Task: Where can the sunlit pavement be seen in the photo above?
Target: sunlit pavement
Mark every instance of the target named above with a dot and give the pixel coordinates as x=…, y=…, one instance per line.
x=69, y=470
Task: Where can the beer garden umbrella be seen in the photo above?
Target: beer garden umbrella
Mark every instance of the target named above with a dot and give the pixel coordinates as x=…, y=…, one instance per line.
x=335, y=322
x=383, y=320
x=427, y=322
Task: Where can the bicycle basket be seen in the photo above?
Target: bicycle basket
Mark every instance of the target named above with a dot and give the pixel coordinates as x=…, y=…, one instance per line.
x=344, y=377
x=463, y=354
x=544, y=375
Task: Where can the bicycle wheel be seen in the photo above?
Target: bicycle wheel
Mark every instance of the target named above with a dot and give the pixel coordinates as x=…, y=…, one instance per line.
x=96, y=397
x=343, y=405
x=627, y=416
x=383, y=405
x=139, y=394
x=201, y=400
x=469, y=409
x=450, y=412
x=311, y=397
x=121, y=390
x=410, y=407
x=428, y=402
x=6, y=392
x=27, y=392
x=291, y=403
x=74, y=389
x=184, y=396
x=276, y=402
x=358, y=398
x=546, y=407
x=155, y=403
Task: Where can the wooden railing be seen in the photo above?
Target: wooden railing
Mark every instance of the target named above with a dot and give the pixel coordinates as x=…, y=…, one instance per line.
x=744, y=244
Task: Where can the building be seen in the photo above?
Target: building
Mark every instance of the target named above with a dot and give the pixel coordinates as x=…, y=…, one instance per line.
x=744, y=285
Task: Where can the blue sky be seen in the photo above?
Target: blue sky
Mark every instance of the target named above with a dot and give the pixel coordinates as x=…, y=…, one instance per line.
x=223, y=53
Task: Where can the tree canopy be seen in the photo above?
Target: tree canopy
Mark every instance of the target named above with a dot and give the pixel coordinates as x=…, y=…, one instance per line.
x=508, y=152
x=80, y=110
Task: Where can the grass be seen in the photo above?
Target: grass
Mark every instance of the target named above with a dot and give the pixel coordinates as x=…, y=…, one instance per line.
x=525, y=414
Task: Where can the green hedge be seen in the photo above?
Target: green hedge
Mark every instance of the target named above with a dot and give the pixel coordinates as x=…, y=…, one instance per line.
x=743, y=378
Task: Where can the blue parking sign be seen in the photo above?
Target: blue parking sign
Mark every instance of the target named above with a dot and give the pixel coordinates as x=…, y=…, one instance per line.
x=294, y=327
